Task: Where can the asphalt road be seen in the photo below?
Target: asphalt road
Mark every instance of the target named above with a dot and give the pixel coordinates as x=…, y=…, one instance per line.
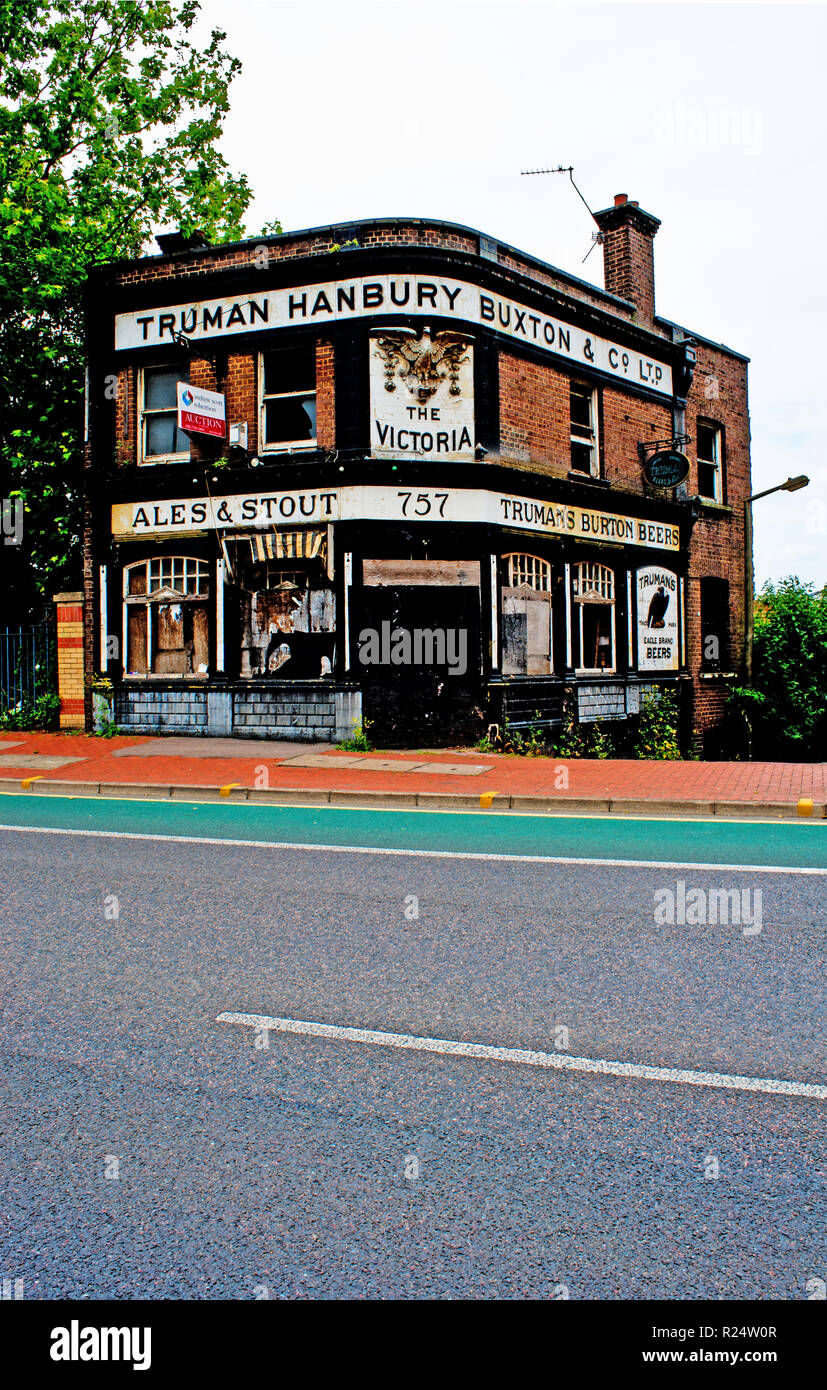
x=318, y=1168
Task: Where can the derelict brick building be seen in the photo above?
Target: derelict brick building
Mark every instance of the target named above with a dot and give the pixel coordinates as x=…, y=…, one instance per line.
x=427, y=433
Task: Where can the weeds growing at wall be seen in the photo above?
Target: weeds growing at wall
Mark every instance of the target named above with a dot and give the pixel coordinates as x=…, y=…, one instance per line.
x=42, y=713
x=358, y=742
x=657, y=735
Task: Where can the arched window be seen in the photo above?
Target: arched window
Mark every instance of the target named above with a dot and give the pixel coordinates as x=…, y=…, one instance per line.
x=166, y=616
x=526, y=616
x=593, y=617
x=529, y=570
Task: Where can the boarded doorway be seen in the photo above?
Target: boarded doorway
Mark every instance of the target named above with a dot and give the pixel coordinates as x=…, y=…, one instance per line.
x=417, y=651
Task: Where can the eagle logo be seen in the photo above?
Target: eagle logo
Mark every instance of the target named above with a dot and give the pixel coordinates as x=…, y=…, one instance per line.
x=657, y=608
x=423, y=362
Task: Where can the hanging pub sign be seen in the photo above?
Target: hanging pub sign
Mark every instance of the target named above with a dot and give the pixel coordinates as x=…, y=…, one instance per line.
x=201, y=412
x=668, y=468
x=657, y=619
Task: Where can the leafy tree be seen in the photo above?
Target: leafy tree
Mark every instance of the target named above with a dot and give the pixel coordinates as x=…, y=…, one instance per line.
x=109, y=123
x=785, y=711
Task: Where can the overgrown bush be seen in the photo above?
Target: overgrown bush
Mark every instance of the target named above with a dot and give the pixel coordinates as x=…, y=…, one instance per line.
x=529, y=743
x=657, y=735
x=783, y=715
x=576, y=740
x=42, y=713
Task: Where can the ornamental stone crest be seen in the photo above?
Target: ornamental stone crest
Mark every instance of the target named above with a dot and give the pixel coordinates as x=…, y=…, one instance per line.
x=423, y=362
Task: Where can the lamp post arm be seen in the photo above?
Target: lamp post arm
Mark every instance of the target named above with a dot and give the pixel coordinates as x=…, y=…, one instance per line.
x=755, y=496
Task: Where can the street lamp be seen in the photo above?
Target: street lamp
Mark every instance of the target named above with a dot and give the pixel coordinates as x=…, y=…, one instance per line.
x=791, y=485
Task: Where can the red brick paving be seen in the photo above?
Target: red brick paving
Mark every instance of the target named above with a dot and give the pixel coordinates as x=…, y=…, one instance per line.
x=508, y=775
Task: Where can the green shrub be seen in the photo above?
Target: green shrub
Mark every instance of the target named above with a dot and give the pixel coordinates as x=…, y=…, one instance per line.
x=784, y=714
x=109, y=729
x=657, y=735
x=599, y=742
x=528, y=743
x=42, y=714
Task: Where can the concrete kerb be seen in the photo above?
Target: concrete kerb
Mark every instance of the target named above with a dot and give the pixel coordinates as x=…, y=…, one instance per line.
x=767, y=810
x=435, y=801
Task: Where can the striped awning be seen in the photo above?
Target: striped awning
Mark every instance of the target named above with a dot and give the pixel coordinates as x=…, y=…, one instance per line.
x=282, y=545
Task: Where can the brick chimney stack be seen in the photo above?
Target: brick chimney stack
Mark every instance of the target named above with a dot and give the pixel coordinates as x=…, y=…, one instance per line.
x=628, y=257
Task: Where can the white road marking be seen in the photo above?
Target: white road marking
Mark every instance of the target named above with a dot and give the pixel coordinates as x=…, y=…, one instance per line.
x=558, y=1061
x=420, y=853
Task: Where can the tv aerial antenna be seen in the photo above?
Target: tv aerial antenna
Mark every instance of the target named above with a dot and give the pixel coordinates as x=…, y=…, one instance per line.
x=597, y=237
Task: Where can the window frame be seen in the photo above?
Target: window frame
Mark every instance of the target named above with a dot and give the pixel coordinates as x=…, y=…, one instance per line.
x=577, y=602
x=146, y=460
x=202, y=597
x=286, y=446
x=535, y=575
x=709, y=627
x=717, y=463
x=589, y=388
x=538, y=565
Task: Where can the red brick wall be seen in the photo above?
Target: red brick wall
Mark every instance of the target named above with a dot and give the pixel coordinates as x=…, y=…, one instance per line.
x=285, y=248
x=534, y=416
x=325, y=396
x=240, y=385
x=535, y=423
x=627, y=422
x=719, y=394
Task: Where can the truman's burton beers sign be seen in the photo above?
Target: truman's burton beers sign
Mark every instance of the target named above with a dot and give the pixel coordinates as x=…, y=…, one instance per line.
x=245, y=511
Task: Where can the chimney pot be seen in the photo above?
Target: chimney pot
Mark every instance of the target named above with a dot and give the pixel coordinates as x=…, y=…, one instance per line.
x=620, y=199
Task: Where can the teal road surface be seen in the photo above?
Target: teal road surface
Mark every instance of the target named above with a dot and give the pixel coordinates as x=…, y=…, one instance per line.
x=797, y=845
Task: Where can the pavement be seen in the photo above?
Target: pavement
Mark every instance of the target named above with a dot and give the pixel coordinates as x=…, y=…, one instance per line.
x=316, y=773
x=158, y=1144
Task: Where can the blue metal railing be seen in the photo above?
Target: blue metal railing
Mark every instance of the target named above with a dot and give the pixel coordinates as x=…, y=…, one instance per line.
x=27, y=665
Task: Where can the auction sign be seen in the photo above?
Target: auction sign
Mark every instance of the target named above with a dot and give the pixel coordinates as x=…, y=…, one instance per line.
x=201, y=412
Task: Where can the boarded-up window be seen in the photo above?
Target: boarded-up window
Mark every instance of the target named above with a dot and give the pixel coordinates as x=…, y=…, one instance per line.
x=526, y=633
x=288, y=619
x=526, y=617
x=167, y=615
x=136, y=641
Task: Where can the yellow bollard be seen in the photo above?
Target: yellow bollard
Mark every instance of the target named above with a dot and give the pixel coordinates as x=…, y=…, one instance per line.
x=805, y=806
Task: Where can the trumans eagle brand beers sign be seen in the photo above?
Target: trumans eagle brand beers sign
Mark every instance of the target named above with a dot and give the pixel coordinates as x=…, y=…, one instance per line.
x=131, y=520
x=201, y=412
x=657, y=620
x=384, y=295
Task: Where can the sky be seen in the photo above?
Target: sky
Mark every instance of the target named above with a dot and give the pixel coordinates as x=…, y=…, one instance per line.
x=711, y=115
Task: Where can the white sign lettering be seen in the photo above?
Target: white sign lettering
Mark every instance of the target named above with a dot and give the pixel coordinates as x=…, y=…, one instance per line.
x=370, y=503
x=657, y=620
x=422, y=395
x=200, y=411
x=384, y=295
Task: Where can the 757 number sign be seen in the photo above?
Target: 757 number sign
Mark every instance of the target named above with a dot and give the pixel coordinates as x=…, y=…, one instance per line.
x=422, y=503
